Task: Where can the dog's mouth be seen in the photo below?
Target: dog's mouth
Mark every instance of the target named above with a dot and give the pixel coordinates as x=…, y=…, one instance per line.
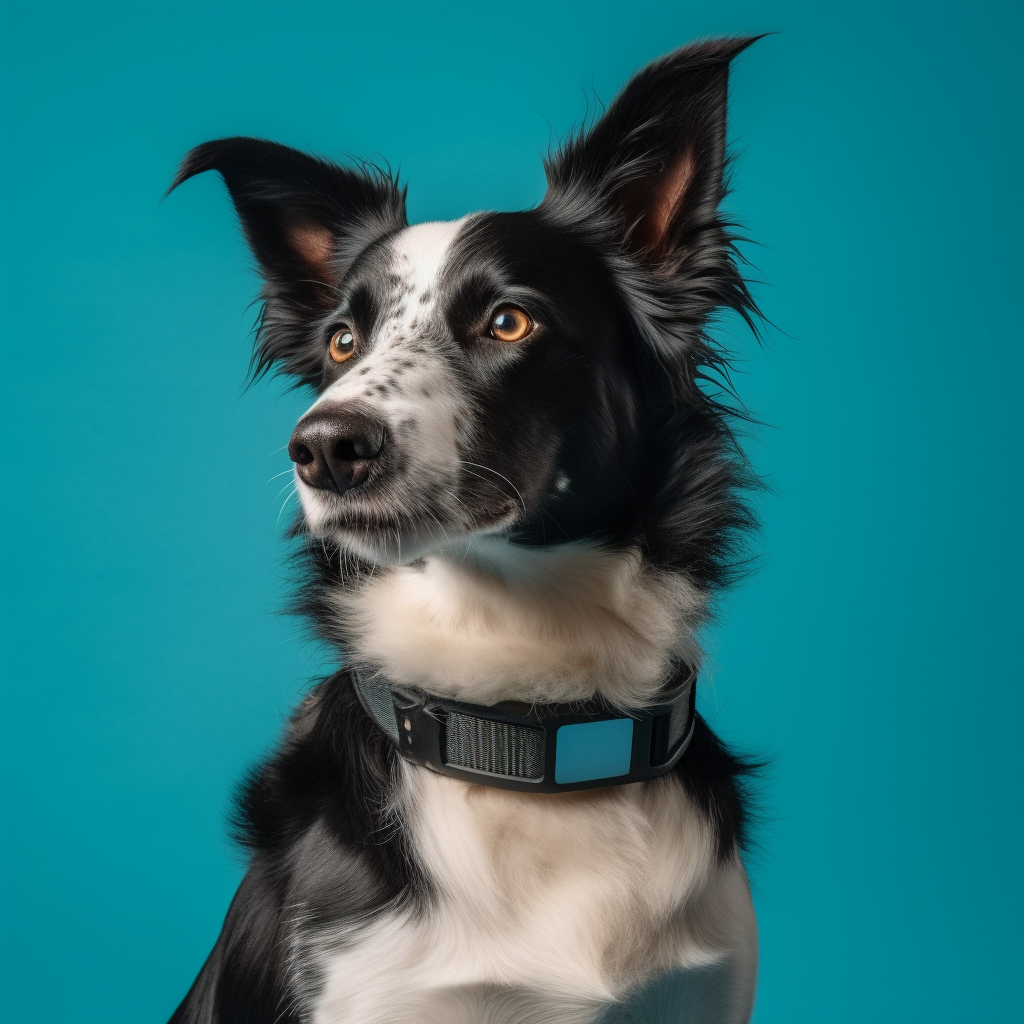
x=383, y=525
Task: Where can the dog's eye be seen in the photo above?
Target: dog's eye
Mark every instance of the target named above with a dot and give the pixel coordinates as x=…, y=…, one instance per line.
x=343, y=344
x=510, y=324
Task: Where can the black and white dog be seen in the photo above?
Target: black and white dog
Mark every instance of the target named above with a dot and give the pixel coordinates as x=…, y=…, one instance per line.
x=518, y=498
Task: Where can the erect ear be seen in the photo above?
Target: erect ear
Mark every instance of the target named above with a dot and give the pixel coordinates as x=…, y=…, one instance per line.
x=295, y=209
x=656, y=158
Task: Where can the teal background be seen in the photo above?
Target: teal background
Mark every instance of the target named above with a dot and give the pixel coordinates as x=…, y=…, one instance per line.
x=875, y=653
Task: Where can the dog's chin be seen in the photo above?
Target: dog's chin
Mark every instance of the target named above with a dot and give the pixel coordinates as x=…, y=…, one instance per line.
x=385, y=547
x=399, y=540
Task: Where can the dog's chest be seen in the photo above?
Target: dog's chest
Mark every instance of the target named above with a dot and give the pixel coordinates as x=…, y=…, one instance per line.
x=548, y=625
x=546, y=907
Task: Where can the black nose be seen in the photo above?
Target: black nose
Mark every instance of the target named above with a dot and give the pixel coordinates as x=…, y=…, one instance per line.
x=333, y=447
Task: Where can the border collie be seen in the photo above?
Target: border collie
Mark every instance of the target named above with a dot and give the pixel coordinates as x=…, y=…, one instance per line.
x=519, y=496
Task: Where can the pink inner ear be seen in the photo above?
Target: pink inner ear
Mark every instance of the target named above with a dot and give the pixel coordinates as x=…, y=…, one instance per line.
x=314, y=243
x=669, y=192
x=651, y=206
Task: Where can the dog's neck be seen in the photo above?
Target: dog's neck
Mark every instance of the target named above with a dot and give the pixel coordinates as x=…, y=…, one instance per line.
x=489, y=620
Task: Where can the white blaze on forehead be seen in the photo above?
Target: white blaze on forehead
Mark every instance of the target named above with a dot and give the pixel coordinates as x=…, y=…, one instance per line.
x=421, y=250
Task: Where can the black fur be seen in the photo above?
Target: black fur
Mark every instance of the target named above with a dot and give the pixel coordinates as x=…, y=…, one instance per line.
x=624, y=262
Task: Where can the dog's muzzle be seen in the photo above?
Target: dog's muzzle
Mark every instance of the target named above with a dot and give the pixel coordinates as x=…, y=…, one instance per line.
x=536, y=748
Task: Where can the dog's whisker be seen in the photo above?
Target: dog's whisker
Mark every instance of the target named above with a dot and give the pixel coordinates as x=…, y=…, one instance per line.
x=284, y=505
x=501, y=476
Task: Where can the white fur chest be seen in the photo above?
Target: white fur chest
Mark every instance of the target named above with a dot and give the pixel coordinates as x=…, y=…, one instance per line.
x=493, y=621
x=547, y=908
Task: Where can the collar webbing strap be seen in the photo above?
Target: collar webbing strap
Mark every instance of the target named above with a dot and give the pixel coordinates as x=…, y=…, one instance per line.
x=536, y=748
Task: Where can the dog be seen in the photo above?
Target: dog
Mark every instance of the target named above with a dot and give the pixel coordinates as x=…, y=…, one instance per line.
x=519, y=497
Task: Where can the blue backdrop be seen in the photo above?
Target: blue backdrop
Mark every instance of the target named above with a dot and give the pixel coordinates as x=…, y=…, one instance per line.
x=875, y=653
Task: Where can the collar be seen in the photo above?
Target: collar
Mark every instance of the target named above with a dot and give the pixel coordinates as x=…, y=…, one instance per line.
x=536, y=748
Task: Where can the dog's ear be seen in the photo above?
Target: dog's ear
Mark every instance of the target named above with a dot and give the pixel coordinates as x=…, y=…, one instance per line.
x=655, y=160
x=303, y=218
x=294, y=208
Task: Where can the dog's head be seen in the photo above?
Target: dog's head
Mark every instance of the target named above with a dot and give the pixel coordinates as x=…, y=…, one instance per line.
x=506, y=373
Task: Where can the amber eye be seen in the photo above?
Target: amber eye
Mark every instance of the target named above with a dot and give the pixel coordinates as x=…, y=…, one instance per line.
x=510, y=324
x=343, y=344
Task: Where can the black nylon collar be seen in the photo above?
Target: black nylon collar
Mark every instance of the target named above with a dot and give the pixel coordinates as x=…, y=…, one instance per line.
x=536, y=748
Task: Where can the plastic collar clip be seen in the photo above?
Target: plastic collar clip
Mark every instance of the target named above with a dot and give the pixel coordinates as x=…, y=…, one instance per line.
x=536, y=748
